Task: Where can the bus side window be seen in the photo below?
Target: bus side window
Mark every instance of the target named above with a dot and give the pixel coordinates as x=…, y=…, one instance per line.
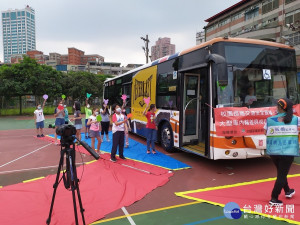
x=127, y=91
x=166, y=91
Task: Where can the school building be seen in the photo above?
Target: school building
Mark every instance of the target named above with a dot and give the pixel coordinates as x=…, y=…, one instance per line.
x=271, y=20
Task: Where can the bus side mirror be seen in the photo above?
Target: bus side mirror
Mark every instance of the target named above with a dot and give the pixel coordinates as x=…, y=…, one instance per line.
x=221, y=65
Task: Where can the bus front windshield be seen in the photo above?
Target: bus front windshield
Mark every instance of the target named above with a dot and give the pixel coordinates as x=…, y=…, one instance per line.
x=258, y=76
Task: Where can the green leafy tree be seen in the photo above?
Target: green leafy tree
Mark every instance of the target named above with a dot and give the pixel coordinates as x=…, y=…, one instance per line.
x=47, y=81
x=29, y=78
x=77, y=84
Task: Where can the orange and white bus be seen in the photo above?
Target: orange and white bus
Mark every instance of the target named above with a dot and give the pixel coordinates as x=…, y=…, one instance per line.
x=187, y=86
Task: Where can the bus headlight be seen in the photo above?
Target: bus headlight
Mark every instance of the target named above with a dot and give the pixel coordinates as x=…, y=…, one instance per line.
x=227, y=152
x=235, y=154
x=233, y=142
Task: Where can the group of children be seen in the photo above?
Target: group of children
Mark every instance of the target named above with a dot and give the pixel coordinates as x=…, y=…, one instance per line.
x=95, y=129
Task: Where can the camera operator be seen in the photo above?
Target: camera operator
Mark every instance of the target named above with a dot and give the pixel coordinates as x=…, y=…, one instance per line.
x=60, y=117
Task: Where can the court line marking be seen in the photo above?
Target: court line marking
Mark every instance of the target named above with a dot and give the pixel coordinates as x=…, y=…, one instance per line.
x=36, y=168
x=2, y=137
x=128, y=216
x=132, y=167
x=146, y=212
x=233, y=185
x=207, y=220
x=183, y=195
x=38, y=178
x=25, y=155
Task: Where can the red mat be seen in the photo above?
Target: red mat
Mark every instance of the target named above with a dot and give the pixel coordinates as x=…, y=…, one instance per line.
x=104, y=187
x=250, y=195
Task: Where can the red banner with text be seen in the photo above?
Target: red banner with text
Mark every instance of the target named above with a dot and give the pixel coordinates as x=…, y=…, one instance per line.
x=234, y=121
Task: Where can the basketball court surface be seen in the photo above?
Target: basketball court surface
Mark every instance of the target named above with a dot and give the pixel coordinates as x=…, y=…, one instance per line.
x=190, y=196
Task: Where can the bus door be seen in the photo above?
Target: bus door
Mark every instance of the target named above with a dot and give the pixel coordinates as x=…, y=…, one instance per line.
x=194, y=112
x=191, y=108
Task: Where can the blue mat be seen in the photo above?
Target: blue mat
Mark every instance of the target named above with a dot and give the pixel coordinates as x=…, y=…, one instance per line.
x=137, y=151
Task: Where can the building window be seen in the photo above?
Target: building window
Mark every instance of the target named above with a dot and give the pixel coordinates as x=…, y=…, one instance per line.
x=292, y=17
x=251, y=12
x=13, y=16
x=211, y=28
x=237, y=16
x=224, y=22
x=269, y=5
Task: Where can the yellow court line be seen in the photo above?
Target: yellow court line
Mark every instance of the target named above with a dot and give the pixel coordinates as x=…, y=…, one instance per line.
x=38, y=178
x=252, y=212
x=183, y=194
x=232, y=185
x=90, y=162
x=146, y=212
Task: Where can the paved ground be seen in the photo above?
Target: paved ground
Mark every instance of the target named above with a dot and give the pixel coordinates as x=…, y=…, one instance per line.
x=24, y=157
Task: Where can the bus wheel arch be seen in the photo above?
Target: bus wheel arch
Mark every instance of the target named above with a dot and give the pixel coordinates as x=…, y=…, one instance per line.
x=165, y=136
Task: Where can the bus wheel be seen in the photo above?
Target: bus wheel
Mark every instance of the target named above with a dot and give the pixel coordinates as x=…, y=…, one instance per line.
x=166, y=137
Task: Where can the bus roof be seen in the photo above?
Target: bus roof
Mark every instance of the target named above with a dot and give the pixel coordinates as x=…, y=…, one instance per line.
x=202, y=45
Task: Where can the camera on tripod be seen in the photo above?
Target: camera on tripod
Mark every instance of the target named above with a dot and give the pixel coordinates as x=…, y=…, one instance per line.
x=67, y=134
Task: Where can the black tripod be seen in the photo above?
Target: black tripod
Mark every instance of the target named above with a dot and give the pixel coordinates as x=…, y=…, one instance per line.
x=70, y=179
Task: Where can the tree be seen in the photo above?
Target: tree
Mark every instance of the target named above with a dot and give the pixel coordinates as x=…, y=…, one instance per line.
x=77, y=84
x=47, y=80
x=15, y=81
x=28, y=78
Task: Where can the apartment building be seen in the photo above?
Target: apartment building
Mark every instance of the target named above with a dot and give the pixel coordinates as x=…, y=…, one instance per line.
x=162, y=48
x=18, y=29
x=38, y=56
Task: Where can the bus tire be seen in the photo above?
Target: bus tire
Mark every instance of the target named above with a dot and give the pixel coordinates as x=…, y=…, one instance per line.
x=166, y=137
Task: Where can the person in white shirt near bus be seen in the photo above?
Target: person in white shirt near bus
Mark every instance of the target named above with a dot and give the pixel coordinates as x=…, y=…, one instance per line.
x=118, y=130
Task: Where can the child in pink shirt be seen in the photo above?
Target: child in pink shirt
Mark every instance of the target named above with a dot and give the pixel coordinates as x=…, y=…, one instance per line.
x=95, y=129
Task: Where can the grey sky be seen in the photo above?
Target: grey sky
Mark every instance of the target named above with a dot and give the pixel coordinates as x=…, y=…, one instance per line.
x=113, y=28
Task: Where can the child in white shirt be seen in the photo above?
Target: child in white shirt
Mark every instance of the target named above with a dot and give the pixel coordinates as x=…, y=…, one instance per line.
x=39, y=119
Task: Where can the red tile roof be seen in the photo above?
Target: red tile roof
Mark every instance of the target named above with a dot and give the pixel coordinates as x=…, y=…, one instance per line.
x=227, y=10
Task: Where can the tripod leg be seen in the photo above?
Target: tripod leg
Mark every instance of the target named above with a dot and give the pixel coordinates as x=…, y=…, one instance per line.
x=79, y=200
x=77, y=188
x=55, y=185
x=73, y=188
